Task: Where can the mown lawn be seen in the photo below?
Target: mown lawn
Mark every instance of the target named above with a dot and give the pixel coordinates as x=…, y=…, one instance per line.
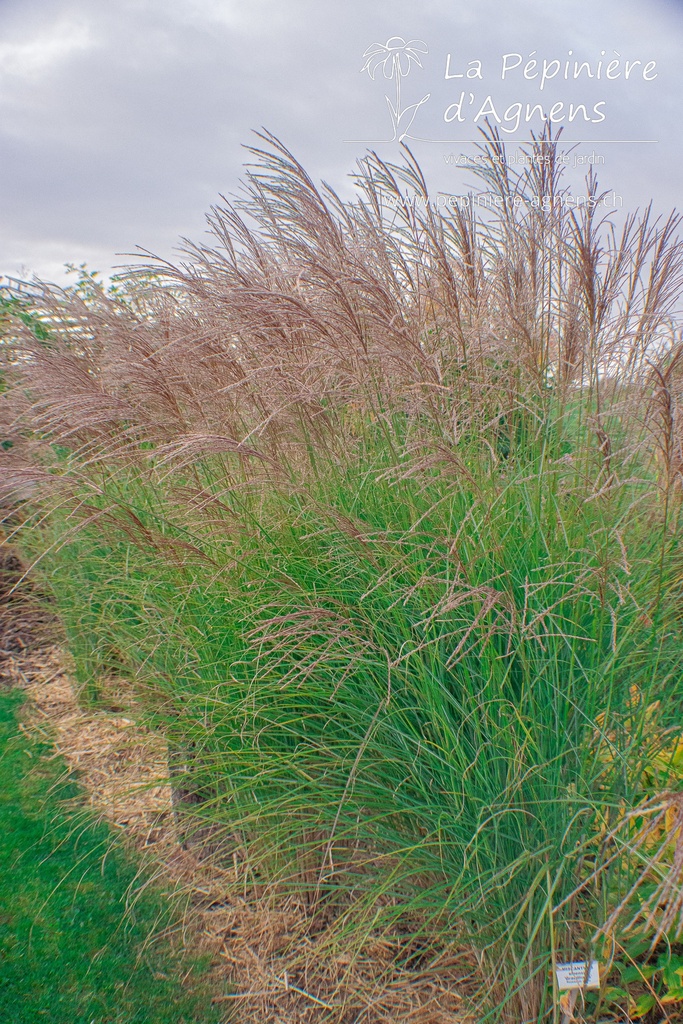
x=76, y=946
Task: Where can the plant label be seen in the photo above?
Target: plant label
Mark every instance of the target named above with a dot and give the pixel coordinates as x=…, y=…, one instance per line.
x=578, y=975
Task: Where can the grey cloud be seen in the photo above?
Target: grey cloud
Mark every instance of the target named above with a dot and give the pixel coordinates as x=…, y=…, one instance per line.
x=120, y=123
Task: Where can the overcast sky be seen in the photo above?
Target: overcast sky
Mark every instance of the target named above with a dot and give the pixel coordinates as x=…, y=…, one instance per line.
x=121, y=121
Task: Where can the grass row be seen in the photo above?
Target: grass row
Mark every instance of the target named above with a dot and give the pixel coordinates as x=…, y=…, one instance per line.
x=420, y=700
x=377, y=510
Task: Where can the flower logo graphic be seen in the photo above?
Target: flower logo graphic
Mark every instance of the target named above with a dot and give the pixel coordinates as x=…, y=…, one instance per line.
x=396, y=57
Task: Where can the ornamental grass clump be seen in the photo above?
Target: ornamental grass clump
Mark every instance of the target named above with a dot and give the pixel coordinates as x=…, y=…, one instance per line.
x=376, y=507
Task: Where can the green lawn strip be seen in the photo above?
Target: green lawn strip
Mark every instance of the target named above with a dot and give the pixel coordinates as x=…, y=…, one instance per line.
x=77, y=937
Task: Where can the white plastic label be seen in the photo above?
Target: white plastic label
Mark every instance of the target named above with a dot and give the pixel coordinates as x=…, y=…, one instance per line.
x=578, y=975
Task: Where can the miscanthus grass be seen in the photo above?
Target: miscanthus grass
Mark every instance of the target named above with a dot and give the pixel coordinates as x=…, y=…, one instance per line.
x=377, y=509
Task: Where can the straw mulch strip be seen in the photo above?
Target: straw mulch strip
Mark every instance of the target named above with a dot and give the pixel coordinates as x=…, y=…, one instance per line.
x=264, y=949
